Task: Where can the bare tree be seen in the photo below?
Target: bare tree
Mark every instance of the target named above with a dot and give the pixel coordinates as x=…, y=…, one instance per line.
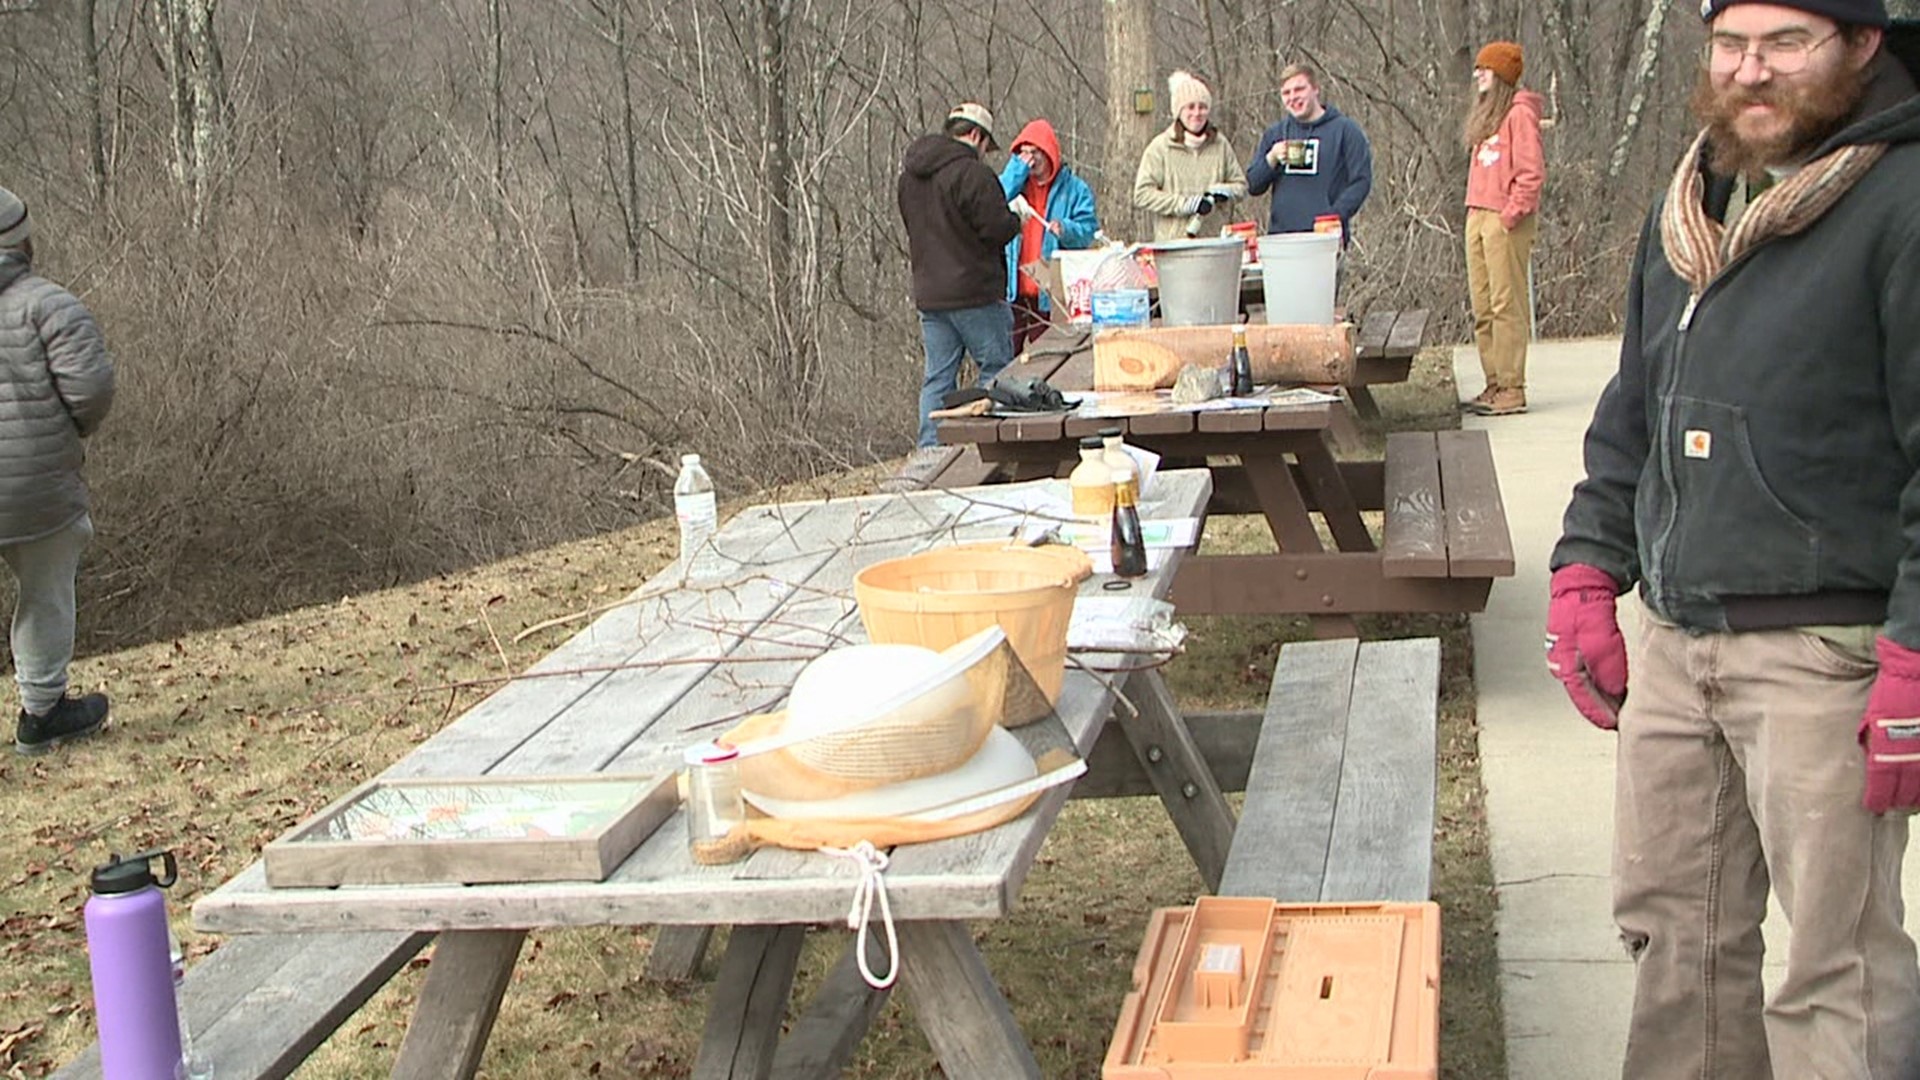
x=189, y=53
x=1131, y=70
x=85, y=14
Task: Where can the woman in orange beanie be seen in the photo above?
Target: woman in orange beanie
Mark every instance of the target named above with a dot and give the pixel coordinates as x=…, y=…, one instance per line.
x=1504, y=175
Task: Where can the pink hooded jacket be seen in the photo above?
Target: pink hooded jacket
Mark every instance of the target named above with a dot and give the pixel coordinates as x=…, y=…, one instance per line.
x=1506, y=171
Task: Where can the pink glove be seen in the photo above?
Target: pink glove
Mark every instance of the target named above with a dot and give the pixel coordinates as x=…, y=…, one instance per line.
x=1891, y=730
x=1584, y=648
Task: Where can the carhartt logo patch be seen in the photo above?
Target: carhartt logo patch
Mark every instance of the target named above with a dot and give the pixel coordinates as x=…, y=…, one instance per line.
x=1698, y=444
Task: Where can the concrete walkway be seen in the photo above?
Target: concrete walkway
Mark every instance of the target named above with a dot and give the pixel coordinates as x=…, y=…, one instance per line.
x=1549, y=776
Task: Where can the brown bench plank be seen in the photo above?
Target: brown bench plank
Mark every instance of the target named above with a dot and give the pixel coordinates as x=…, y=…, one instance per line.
x=1414, y=538
x=923, y=468
x=1409, y=333
x=964, y=469
x=982, y=429
x=1374, y=330
x=1478, y=542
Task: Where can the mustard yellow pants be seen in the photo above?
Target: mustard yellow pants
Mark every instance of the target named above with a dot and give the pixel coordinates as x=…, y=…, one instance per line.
x=1497, y=279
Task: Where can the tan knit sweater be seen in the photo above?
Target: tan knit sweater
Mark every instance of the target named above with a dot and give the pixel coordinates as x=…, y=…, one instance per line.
x=1170, y=173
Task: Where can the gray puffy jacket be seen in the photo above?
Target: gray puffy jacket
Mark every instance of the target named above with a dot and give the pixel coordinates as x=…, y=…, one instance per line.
x=56, y=385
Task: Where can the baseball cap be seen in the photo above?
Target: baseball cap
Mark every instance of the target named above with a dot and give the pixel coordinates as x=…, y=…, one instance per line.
x=979, y=117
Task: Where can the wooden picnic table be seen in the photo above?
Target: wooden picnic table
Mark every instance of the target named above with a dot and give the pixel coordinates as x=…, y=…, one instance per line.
x=1443, y=492
x=679, y=665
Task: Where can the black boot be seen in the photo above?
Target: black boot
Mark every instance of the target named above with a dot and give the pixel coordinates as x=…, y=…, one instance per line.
x=72, y=718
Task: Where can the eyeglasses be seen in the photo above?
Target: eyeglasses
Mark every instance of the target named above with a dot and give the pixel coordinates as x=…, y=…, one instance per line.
x=1783, y=55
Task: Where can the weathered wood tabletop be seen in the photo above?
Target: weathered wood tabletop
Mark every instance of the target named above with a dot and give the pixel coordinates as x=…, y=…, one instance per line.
x=678, y=666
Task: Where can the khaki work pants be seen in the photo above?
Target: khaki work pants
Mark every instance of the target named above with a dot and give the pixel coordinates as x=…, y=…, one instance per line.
x=1738, y=769
x=1497, y=279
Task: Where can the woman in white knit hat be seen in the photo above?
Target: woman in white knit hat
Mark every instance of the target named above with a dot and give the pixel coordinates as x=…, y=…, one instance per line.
x=1188, y=169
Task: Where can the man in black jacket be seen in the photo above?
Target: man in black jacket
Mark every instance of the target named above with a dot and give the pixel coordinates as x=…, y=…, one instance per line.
x=958, y=228
x=1752, y=470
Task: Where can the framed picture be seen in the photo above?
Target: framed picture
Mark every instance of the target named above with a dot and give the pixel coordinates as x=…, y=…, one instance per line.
x=473, y=830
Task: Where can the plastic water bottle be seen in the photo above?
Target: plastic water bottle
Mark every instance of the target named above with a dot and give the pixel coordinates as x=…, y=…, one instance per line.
x=133, y=989
x=699, y=516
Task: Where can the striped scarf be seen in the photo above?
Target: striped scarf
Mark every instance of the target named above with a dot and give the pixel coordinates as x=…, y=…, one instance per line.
x=1698, y=247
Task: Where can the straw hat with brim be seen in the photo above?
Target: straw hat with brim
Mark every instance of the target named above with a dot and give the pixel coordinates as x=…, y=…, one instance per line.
x=1001, y=762
x=868, y=716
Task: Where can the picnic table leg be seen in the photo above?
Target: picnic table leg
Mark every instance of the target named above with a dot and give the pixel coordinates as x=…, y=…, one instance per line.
x=748, y=1002
x=1363, y=402
x=465, y=982
x=677, y=952
x=1292, y=523
x=1179, y=773
x=964, y=1015
x=1018, y=471
x=822, y=1040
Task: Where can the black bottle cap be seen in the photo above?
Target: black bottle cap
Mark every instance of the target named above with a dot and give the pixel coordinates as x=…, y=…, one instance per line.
x=1110, y=432
x=1091, y=442
x=134, y=873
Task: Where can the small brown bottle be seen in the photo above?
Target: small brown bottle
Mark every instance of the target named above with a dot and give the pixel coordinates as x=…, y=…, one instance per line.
x=1129, y=542
x=1241, y=363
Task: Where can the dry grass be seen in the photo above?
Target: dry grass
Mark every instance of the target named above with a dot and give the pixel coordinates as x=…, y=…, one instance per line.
x=225, y=739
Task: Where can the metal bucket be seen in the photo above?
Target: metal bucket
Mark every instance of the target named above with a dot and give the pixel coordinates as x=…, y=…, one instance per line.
x=1199, y=281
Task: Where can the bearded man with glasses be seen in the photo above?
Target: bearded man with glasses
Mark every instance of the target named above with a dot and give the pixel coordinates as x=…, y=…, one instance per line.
x=1752, y=471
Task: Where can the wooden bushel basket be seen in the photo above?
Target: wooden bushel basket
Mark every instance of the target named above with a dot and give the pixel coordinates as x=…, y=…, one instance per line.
x=939, y=597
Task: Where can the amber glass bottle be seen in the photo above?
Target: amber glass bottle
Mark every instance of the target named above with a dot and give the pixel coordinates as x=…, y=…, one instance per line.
x=1129, y=542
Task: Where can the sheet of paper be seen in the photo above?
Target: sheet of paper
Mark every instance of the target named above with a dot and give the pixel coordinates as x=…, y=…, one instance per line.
x=1012, y=505
x=1158, y=532
x=1120, y=622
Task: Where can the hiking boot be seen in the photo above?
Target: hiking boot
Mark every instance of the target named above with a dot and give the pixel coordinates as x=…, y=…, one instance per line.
x=1479, y=402
x=72, y=718
x=1506, y=402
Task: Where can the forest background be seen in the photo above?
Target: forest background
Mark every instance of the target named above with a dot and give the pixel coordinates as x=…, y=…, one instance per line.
x=401, y=286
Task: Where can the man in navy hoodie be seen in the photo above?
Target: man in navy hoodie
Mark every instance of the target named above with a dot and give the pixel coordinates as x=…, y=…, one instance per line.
x=1316, y=160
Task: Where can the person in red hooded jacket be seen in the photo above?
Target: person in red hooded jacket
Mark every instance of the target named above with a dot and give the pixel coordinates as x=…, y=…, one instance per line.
x=1504, y=176
x=1063, y=217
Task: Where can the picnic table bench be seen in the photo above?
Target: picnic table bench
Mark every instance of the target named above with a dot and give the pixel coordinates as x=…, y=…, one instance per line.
x=623, y=696
x=1340, y=772
x=1340, y=795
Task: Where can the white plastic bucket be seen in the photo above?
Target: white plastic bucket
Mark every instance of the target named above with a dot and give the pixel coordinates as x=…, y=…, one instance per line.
x=1199, y=281
x=1297, y=275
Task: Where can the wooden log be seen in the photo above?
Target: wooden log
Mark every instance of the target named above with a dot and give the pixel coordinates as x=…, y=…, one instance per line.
x=1150, y=358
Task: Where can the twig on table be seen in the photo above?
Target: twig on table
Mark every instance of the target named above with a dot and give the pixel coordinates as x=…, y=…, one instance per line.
x=1120, y=698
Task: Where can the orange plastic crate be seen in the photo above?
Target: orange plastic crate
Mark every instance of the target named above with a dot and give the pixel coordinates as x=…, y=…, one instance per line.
x=1239, y=988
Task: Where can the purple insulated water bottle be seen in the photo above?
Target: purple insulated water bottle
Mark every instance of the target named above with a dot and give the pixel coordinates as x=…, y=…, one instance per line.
x=127, y=947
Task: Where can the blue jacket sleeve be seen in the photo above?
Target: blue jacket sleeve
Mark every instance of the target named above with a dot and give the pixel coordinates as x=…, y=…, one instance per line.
x=1013, y=177
x=1358, y=155
x=1260, y=175
x=1071, y=204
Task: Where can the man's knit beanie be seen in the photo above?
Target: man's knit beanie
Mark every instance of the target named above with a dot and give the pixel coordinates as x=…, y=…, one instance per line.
x=1845, y=12
x=1183, y=90
x=14, y=226
x=1504, y=59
